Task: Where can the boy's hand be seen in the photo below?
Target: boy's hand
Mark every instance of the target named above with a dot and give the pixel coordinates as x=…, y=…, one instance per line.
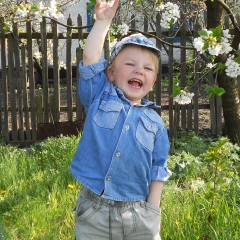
x=106, y=10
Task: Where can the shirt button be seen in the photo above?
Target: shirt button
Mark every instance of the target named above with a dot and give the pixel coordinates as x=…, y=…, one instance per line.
x=127, y=127
x=109, y=179
x=118, y=154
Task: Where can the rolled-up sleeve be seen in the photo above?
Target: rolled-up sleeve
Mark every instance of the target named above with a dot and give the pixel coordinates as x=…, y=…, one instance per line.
x=159, y=171
x=92, y=80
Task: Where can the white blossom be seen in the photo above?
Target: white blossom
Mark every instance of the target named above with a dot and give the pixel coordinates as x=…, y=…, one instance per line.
x=198, y=44
x=21, y=13
x=170, y=14
x=184, y=97
x=123, y=29
x=210, y=65
x=214, y=50
x=233, y=68
x=226, y=34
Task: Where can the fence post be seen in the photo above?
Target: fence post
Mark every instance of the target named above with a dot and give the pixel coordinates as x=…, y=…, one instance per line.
x=31, y=80
x=183, y=70
x=44, y=71
x=69, y=69
x=196, y=85
x=25, y=93
x=171, y=72
x=56, y=112
x=12, y=87
x=4, y=84
x=79, y=56
x=159, y=76
x=18, y=82
x=39, y=108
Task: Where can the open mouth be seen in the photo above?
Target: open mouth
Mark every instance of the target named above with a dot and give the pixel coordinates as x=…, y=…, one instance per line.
x=135, y=83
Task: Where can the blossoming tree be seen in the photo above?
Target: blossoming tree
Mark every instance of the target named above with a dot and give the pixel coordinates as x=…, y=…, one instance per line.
x=216, y=44
x=227, y=63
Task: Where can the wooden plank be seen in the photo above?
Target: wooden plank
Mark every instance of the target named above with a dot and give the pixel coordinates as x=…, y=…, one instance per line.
x=45, y=71
x=4, y=84
x=196, y=86
x=219, y=127
x=183, y=84
x=31, y=79
x=25, y=94
x=150, y=96
x=56, y=110
x=196, y=95
x=79, y=57
x=189, y=116
x=212, y=107
x=69, y=69
x=170, y=76
x=12, y=86
x=158, y=83
x=18, y=82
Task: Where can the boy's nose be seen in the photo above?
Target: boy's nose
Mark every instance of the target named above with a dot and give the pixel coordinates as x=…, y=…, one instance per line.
x=139, y=70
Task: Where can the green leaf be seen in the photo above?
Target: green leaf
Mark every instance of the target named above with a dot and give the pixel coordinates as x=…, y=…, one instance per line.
x=220, y=68
x=6, y=27
x=219, y=91
x=217, y=32
x=91, y=4
x=205, y=47
x=203, y=33
x=176, y=91
x=213, y=91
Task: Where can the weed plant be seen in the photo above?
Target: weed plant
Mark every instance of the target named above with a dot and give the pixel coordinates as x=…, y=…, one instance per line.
x=201, y=200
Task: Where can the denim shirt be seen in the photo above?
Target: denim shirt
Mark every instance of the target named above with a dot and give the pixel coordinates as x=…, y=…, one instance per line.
x=123, y=146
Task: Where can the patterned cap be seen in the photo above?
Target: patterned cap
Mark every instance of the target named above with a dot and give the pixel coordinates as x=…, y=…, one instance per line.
x=137, y=39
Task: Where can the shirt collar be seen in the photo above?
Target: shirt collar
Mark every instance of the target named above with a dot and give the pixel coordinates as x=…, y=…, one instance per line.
x=144, y=102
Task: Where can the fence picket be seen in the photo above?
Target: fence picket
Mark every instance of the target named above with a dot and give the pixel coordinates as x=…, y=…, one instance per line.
x=18, y=82
x=4, y=92
x=25, y=94
x=69, y=69
x=56, y=79
x=79, y=56
x=183, y=76
x=12, y=87
x=160, y=75
x=170, y=87
x=31, y=80
x=45, y=71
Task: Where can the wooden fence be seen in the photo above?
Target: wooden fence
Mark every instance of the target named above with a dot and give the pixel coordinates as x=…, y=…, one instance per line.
x=30, y=114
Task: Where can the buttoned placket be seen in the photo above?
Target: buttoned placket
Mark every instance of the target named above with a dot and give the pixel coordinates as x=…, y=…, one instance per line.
x=117, y=154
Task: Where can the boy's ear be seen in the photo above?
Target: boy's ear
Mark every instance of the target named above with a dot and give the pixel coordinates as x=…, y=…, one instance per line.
x=110, y=73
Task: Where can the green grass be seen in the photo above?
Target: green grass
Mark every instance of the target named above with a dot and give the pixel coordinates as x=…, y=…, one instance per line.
x=200, y=201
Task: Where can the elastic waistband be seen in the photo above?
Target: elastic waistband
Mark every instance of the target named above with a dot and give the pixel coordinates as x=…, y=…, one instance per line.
x=107, y=202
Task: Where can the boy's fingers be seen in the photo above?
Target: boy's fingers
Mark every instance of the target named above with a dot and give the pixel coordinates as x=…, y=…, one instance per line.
x=115, y=3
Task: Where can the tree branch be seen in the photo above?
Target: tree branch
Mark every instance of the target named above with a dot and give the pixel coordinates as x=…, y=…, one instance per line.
x=160, y=40
x=230, y=13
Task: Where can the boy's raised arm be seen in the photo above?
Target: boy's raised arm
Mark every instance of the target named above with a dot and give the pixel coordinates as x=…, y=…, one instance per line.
x=105, y=12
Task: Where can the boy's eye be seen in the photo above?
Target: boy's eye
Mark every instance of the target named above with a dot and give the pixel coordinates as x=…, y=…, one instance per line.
x=129, y=64
x=149, y=68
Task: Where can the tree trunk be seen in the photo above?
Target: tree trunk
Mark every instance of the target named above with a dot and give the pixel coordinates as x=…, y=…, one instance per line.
x=231, y=99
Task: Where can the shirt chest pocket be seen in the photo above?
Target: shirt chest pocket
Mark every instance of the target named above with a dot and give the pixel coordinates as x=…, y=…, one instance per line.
x=107, y=114
x=146, y=133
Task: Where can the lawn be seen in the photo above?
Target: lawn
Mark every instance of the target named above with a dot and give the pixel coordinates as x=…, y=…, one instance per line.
x=201, y=200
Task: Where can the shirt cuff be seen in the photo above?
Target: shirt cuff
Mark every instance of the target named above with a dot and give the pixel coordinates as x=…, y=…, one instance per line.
x=160, y=173
x=90, y=71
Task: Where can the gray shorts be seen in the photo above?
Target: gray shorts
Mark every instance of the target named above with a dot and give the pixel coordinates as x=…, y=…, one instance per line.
x=102, y=219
